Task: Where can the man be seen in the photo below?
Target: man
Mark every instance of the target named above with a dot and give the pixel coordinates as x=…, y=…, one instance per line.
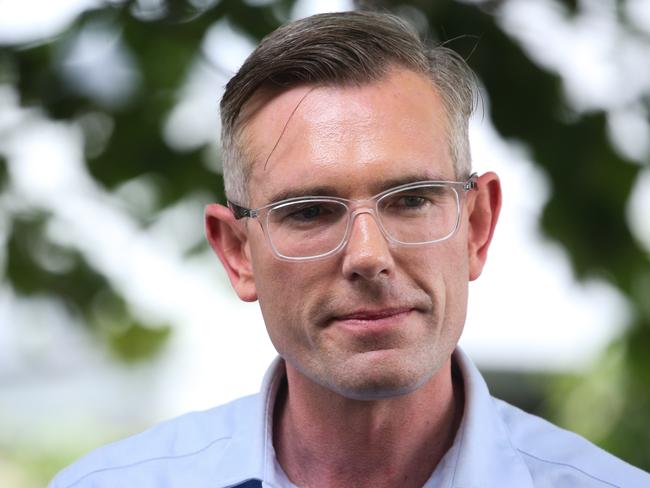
x=355, y=222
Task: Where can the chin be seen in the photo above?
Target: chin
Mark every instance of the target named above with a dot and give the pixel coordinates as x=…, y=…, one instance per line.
x=378, y=391
x=378, y=383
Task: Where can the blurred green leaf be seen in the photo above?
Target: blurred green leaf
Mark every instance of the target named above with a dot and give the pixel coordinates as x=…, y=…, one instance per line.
x=138, y=342
x=35, y=265
x=3, y=172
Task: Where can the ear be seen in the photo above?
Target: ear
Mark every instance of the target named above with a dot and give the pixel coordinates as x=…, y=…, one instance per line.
x=230, y=242
x=483, y=211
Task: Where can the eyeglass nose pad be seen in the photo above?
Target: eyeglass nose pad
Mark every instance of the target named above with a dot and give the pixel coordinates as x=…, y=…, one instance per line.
x=358, y=211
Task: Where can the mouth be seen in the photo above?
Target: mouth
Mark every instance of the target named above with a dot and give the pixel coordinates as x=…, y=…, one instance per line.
x=371, y=315
x=374, y=320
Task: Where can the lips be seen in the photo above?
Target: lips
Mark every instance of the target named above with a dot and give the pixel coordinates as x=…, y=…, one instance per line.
x=382, y=327
x=371, y=315
x=357, y=311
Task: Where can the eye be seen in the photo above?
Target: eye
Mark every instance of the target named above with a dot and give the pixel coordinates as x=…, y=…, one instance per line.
x=411, y=201
x=407, y=202
x=308, y=212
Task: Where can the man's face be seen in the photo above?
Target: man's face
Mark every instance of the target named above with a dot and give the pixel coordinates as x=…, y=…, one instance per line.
x=373, y=320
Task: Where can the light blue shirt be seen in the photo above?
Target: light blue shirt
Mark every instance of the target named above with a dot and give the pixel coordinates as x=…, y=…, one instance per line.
x=497, y=445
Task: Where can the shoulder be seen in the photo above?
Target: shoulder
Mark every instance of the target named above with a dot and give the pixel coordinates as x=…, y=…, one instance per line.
x=191, y=443
x=558, y=458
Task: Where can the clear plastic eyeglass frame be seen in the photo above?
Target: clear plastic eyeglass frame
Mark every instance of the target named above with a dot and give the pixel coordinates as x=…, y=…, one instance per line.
x=354, y=208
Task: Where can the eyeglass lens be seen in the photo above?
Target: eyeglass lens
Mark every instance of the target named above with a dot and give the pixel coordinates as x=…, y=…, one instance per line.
x=311, y=228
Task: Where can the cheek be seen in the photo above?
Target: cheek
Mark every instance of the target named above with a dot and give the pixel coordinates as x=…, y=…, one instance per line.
x=441, y=271
x=278, y=299
x=455, y=274
x=284, y=289
x=444, y=261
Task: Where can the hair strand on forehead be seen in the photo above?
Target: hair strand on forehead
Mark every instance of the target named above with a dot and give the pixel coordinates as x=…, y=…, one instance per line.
x=286, y=124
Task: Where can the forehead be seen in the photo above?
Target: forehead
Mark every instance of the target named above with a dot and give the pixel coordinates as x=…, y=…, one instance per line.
x=349, y=138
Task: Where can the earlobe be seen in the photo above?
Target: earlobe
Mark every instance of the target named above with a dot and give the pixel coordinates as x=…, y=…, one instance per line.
x=230, y=243
x=483, y=211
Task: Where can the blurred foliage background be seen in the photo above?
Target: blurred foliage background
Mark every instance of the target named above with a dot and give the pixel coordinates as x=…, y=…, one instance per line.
x=122, y=103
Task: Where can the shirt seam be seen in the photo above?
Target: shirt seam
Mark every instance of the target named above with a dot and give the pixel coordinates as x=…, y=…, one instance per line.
x=266, y=439
x=144, y=461
x=508, y=432
x=567, y=466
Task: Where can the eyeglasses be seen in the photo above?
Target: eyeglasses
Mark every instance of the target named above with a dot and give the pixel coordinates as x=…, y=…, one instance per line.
x=414, y=214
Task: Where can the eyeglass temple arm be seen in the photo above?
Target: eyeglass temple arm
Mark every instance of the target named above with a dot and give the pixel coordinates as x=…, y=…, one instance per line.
x=471, y=183
x=240, y=212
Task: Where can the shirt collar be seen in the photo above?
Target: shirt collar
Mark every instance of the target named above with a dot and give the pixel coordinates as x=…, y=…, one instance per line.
x=250, y=454
x=481, y=455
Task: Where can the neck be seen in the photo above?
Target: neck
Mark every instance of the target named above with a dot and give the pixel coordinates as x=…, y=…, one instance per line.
x=323, y=439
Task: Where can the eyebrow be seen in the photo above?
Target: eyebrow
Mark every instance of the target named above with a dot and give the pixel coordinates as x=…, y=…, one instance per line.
x=331, y=191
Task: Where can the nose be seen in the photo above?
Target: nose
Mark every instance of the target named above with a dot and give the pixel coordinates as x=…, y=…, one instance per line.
x=367, y=254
